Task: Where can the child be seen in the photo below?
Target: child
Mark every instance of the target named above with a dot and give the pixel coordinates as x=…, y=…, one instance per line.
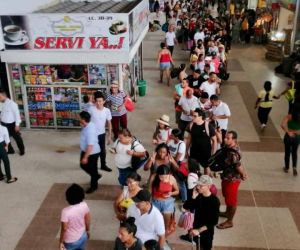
x=162, y=131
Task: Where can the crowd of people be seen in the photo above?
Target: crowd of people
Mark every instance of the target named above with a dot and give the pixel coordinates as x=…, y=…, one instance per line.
x=185, y=158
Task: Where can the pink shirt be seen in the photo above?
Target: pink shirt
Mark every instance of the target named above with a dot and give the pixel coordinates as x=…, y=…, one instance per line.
x=74, y=216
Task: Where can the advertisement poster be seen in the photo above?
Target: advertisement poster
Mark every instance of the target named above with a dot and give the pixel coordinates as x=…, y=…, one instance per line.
x=138, y=20
x=66, y=32
x=97, y=75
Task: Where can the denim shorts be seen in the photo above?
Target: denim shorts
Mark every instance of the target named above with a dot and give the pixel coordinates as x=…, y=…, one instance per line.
x=77, y=245
x=164, y=65
x=164, y=206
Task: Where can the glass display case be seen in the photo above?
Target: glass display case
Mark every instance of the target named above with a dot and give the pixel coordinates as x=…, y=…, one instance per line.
x=40, y=106
x=67, y=106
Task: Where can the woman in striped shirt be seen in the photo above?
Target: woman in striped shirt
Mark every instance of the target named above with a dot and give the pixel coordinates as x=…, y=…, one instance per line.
x=115, y=100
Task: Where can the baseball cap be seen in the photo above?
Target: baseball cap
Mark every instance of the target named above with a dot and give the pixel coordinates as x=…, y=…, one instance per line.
x=142, y=195
x=204, y=180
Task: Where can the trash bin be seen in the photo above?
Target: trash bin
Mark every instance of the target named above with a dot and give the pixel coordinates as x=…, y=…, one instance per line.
x=142, y=87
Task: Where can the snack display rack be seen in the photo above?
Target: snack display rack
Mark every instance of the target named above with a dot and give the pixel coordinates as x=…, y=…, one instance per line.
x=45, y=103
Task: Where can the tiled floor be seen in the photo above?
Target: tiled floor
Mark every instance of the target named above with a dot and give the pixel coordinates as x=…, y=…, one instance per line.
x=268, y=216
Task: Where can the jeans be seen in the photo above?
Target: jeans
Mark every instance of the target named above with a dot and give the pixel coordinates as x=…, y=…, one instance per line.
x=16, y=135
x=101, y=142
x=171, y=48
x=182, y=190
x=77, y=245
x=116, y=121
x=263, y=115
x=123, y=173
x=4, y=158
x=290, y=148
x=91, y=168
x=165, y=206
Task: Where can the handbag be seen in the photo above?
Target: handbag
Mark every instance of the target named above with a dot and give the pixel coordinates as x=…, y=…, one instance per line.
x=129, y=104
x=186, y=220
x=290, y=94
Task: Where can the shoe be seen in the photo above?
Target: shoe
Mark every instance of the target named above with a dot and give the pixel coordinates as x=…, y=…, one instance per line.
x=11, y=180
x=1, y=178
x=186, y=237
x=11, y=152
x=22, y=153
x=263, y=126
x=106, y=168
x=90, y=190
x=286, y=170
x=295, y=173
x=99, y=176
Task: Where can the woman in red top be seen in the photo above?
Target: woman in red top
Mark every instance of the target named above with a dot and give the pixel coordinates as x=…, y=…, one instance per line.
x=164, y=60
x=163, y=187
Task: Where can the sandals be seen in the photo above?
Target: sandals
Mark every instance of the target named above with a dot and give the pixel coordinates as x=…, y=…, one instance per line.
x=14, y=179
x=224, y=225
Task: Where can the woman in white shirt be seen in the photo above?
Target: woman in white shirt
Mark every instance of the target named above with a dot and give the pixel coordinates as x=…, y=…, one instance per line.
x=125, y=147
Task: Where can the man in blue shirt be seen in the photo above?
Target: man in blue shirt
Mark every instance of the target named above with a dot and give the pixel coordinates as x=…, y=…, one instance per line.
x=90, y=150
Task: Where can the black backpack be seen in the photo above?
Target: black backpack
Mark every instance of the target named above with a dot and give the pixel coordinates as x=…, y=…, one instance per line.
x=217, y=161
x=137, y=162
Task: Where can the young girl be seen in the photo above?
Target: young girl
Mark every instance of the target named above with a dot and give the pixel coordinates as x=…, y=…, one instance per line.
x=264, y=103
x=162, y=131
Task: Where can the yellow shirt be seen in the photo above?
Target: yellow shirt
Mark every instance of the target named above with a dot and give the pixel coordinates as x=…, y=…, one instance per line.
x=262, y=95
x=231, y=8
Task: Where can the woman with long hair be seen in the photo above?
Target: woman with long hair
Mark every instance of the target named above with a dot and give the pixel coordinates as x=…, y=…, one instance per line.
x=165, y=61
x=164, y=188
x=264, y=103
x=291, y=125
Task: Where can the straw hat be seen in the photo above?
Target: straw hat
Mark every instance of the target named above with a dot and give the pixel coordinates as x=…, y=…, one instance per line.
x=164, y=119
x=115, y=83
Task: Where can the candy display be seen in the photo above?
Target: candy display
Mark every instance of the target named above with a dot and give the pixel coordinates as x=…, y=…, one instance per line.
x=37, y=74
x=40, y=106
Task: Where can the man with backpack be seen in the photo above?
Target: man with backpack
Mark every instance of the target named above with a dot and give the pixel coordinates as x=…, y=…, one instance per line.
x=201, y=140
x=232, y=175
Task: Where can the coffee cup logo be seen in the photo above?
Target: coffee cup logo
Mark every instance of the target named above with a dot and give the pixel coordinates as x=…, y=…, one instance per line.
x=13, y=32
x=117, y=27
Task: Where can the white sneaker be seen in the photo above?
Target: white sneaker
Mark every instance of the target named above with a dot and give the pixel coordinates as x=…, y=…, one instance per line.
x=262, y=127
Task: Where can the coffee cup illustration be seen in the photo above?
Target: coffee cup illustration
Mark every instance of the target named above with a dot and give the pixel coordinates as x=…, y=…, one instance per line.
x=13, y=32
x=117, y=27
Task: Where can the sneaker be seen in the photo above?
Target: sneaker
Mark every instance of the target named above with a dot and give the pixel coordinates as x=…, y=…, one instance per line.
x=295, y=173
x=186, y=237
x=90, y=190
x=263, y=126
x=286, y=170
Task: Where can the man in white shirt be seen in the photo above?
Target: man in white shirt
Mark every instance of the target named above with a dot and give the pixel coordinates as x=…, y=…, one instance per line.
x=11, y=119
x=171, y=38
x=188, y=104
x=211, y=86
x=89, y=150
x=4, y=142
x=101, y=115
x=199, y=35
x=221, y=113
x=148, y=219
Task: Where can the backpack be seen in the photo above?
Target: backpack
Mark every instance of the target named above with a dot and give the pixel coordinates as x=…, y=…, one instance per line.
x=165, y=27
x=137, y=162
x=217, y=161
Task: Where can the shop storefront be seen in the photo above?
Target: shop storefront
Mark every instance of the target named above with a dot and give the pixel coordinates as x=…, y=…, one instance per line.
x=55, y=61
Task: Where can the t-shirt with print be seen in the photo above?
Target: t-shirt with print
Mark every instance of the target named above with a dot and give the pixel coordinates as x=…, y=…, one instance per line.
x=116, y=101
x=210, y=88
x=122, y=159
x=263, y=102
x=170, y=36
x=99, y=118
x=74, y=216
x=176, y=148
x=188, y=104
